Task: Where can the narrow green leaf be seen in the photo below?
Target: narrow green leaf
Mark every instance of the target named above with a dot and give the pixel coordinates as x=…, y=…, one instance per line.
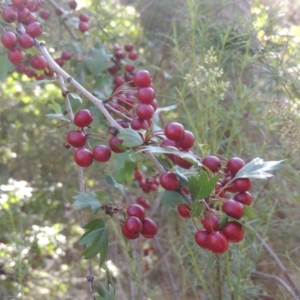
x=38, y=82
x=57, y=116
x=130, y=137
x=84, y=200
x=75, y=97
x=249, y=212
x=104, y=247
x=223, y=220
x=197, y=209
x=170, y=198
x=111, y=181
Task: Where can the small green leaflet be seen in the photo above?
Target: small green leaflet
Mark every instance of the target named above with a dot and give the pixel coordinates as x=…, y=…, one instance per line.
x=111, y=181
x=130, y=137
x=257, y=168
x=38, y=82
x=202, y=186
x=197, y=208
x=75, y=97
x=58, y=112
x=171, y=198
x=249, y=212
x=84, y=200
x=96, y=239
x=223, y=220
x=106, y=293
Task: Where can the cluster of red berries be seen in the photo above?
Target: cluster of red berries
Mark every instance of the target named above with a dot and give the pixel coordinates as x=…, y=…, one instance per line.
x=137, y=223
x=147, y=184
x=143, y=202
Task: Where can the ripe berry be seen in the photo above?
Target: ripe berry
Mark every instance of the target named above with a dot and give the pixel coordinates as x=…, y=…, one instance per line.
x=144, y=111
x=73, y=4
x=229, y=187
x=129, y=68
x=184, y=211
x=213, y=163
x=149, y=228
x=143, y=202
x=233, y=209
x=83, y=157
x=138, y=123
x=122, y=123
x=45, y=14
x=128, y=234
x=15, y=56
x=9, y=14
x=58, y=11
x=219, y=191
x=76, y=138
x=187, y=141
x=242, y=184
x=133, y=225
x=9, y=39
x=83, y=26
x=201, y=238
x=138, y=175
x=243, y=197
x=34, y=29
x=31, y=18
x=101, y=153
x=83, y=118
x=25, y=40
x=217, y=242
x=174, y=131
x=38, y=62
x=23, y=15
x=59, y=61
x=113, y=144
x=145, y=95
x=119, y=80
x=233, y=231
x=154, y=104
x=169, y=181
x=211, y=223
x=84, y=17
x=136, y=210
x=142, y=78
x=128, y=47
x=181, y=162
x=133, y=55
x=234, y=164
x=20, y=4
x=120, y=54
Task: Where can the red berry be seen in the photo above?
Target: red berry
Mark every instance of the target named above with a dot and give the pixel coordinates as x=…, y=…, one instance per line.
x=213, y=163
x=84, y=17
x=142, y=78
x=9, y=40
x=201, y=238
x=83, y=157
x=144, y=111
x=233, y=209
x=138, y=175
x=76, y=138
x=234, y=164
x=136, y=210
x=34, y=29
x=83, y=26
x=143, y=202
x=243, y=197
x=242, y=184
x=101, y=153
x=45, y=14
x=154, y=104
x=128, y=234
x=73, y=4
x=217, y=242
x=233, y=231
x=20, y=4
x=169, y=181
x=31, y=18
x=128, y=47
x=113, y=144
x=187, y=141
x=219, y=191
x=138, y=123
x=119, y=80
x=149, y=228
x=120, y=54
x=129, y=68
x=83, y=118
x=38, y=62
x=9, y=14
x=133, y=225
x=15, y=56
x=211, y=223
x=23, y=15
x=229, y=187
x=25, y=40
x=59, y=61
x=184, y=211
x=174, y=131
x=133, y=55
x=122, y=123
x=66, y=55
x=58, y=11
x=145, y=95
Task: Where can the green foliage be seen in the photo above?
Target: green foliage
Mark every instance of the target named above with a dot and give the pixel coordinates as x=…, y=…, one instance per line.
x=170, y=198
x=130, y=137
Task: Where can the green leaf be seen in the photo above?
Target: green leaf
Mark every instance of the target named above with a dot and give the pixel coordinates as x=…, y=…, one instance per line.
x=182, y=178
x=94, y=224
x=104, y=247
x=35, y=83
x=58, y=117
x=257, y=168
x=223, y=220
x=165, y=161
x=56, y=107
x=5, y=67
x=166, y=108
x=171, y=198
x=89, y=237
x=249, y=212
x=101, y=289
x=111, y=181
x=202, y=186
x=84, y=200
x=75, y=97
x=197, y=208
x=130, y=137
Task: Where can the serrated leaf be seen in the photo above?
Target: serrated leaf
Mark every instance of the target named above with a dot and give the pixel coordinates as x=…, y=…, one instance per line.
x=223, y=220
x=35, y=83
x=75, y=97
x=171, y=198
x=130, y=137
x=104, y=247
x=193, y=187
x=111, y=181
x=197, y=209
x=257, y=168
x=84, y=200
x=249, y=212
x=58, y=117
x=5, y=67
